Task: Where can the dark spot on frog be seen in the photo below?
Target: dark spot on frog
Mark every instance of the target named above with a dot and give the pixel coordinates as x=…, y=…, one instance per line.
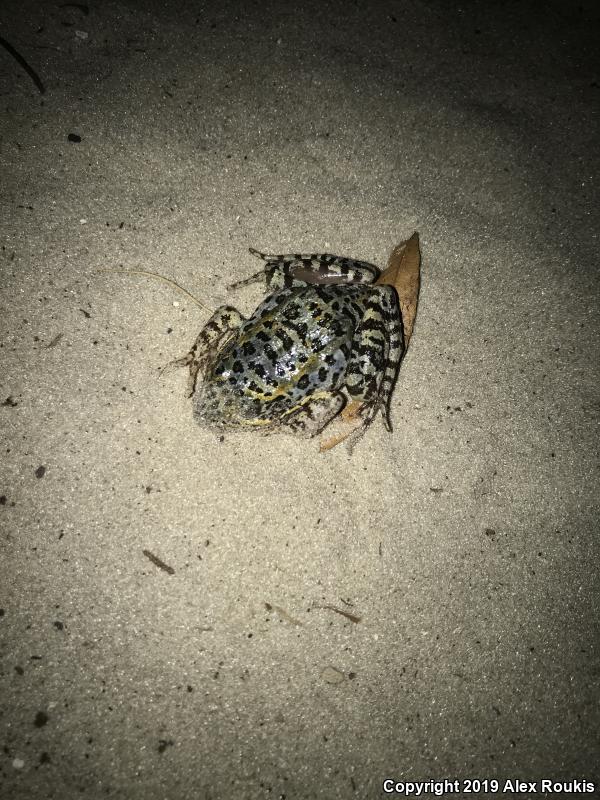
x=44, y=758
x=41, y=718
x=286, y=341
x=40, y=472
x=163, y=744
x=10, y=402
x=254, y=387
x=303, y=382
x=322, y=374
x=2, y=500
x=257, y=369
x=237, y=366
x=262, y=337
x=74, y=137
x=337, y=327
x=301, y=328
x=19, y=670
x=58, y=625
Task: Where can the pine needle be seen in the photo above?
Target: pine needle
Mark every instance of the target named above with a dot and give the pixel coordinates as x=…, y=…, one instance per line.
x=159, y=277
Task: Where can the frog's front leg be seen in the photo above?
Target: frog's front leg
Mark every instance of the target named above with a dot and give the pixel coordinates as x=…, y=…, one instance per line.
x=297, y=269
x=211, y=340
x=314, y=414
x=377, y=349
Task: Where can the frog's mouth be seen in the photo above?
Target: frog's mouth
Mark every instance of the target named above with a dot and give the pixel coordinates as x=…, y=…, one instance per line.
x=217, y=409
x=283, y=415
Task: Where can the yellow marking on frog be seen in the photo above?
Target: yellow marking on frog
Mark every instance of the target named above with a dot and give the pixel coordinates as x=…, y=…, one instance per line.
x=258, y=423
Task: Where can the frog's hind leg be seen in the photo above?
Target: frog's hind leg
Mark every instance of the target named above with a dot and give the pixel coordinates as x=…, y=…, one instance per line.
x=297, y=269
x=314, y=414
x=213, y=337
x=377, y=350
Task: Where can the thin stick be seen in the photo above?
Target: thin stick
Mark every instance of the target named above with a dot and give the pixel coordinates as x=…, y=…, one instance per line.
x=160, y=277
x=158, y=562
x=20, y=60
x=347, y=614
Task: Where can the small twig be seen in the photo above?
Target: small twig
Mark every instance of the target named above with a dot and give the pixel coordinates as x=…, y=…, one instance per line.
x=351, y=617
x=158, y=563
x=20, y=60
x=55, y=341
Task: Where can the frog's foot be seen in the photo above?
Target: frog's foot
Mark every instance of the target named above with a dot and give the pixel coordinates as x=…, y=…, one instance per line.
x=314, y=414
x=264, y=274
x=213, y=337
x=186, y=361
x=298, y=269
x=377, y=350
x=258, y=276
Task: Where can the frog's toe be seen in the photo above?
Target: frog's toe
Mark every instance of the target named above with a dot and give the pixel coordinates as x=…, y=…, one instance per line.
x=247, y=281
x=385, y=413
x=186, y=361
x=171, y=366
x=257, y=253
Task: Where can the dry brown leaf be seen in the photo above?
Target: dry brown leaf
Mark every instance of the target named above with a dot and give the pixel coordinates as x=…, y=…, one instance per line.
x=344, y=429
x=403, y=272
x=351, y=411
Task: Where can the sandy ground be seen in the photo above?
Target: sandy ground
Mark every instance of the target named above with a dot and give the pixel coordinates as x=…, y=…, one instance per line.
x=466, y=542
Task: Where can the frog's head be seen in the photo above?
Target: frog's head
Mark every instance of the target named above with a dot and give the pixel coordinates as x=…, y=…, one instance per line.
x=218, y=405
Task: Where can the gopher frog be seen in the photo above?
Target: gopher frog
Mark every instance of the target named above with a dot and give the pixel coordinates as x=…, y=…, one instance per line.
x=324, y=334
